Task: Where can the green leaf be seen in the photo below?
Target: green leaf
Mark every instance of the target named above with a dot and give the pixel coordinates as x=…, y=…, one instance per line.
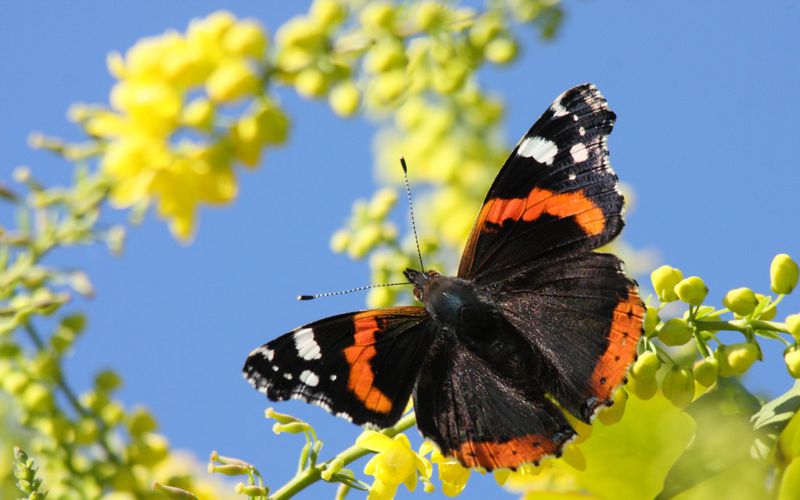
x=775, y=414
x=628, y=459
x=720, y=456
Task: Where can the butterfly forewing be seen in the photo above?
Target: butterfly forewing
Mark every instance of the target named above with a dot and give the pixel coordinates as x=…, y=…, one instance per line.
x=360, y=366
x=556, y=195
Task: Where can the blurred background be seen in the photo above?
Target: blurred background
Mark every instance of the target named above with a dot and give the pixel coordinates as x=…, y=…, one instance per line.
x=705, y=94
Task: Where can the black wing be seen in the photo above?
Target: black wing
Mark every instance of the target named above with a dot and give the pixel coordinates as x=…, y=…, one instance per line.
x=555, y=196
x=585, y=317
x=482, y=417
x=360, y=366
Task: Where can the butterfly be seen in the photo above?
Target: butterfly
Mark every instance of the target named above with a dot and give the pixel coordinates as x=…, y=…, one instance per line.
x=535, y=323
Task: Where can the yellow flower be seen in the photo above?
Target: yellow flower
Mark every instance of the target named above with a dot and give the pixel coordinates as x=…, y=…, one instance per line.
x=245, y=38
x=452, y=474
x=394, y=463
x=153, y=107
x=231, y=81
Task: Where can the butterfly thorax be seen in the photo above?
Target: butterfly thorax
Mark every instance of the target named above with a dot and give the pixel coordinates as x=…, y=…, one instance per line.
x=464, y=315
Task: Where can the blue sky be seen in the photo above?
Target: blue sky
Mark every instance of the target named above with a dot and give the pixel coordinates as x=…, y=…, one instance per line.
x=707, y=135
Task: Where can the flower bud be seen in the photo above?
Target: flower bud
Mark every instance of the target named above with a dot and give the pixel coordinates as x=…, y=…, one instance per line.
x=706, y=371
x=344, y=99
x=783, y=273
x=646, y=366
x=37, y=398
x=112, y=413
x=721, y=355
x=229, y=469
x=691, y=290
x=664, y=280
x=149, y=449
x=643, y=389
x=280, y=417
x=651, y=320
x=741, y=356
x=678, y=387
x=501, y=50
x=172, y=491
x=45, y=367
x=140, y=422
x=675, y=331
x=199, y=114
x=245, y=38
x=231, y=81
x=86, y=431
x=612, y=414
x=59, y=428
x=328, y=12
x=15, y=382
x=382, y=202
x=340, y=240
x=793, y=326
x=792, y=359
x=377, y=15
x=311, y=82
x=251, y=490
x=741, y=301
x=293, y=428
x=107, y=381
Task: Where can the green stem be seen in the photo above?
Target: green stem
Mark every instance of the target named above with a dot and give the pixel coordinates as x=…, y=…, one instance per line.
x=73, y=398
x=313, y=474
x=741, y=325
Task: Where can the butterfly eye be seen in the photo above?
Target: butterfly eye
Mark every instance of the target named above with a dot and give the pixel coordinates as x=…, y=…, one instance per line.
x=418, y=294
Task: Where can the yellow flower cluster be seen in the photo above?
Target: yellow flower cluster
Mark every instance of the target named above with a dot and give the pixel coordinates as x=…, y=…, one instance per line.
x=167, y=136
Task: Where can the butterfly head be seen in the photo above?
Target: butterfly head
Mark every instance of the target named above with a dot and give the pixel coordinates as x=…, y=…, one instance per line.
x=420, y=280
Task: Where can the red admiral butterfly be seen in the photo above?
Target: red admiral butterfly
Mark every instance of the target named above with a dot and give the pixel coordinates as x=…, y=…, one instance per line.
x=534, y=323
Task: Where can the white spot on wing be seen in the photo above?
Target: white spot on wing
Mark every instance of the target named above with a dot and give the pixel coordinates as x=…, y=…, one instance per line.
x=582, y=131
x=333, y=377
x=557, y=107
x=579, y=152
x=572, y=177
x=287, y=376
x=309, y=378
x=264, y=351
x=307, y=347
x=538, y=148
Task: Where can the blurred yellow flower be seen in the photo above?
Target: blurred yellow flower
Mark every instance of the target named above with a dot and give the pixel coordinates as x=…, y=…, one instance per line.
x=395, y=463
x=174, y=87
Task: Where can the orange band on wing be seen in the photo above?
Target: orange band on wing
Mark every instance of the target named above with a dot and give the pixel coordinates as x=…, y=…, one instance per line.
x=626, y=328
x=361, y=380
x=541, y=201
x=511, y=453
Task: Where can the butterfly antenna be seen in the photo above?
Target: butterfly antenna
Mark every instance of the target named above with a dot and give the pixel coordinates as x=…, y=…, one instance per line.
x=411, y=209
x=357, y=289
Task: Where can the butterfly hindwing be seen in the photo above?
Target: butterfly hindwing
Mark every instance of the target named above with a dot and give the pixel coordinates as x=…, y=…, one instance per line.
x=481, y=417
x=556, y=194
x=360, y=366
x=585, y=317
